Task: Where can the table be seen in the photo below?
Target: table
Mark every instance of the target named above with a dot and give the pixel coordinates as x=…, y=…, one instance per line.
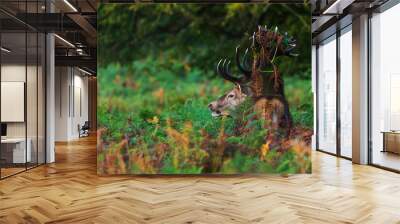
x=391, y=141
x=13, y=150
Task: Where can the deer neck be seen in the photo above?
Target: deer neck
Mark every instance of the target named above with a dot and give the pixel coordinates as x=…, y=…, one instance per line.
x=264, y=82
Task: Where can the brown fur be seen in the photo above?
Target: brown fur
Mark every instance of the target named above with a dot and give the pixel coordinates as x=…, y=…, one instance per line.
x=271, y=110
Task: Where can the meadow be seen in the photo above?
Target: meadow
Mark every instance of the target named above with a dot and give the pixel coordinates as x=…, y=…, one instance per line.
x=157, y=74
x=153, y=118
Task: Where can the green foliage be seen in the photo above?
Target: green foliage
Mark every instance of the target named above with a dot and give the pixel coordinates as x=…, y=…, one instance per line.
x=169, y=168
x=162, y=111
x=254, y=137
x=300, y=97
x=197, y=34
x=240, y=164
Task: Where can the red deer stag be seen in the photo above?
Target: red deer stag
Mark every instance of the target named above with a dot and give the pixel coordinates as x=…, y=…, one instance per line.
x=262, y=81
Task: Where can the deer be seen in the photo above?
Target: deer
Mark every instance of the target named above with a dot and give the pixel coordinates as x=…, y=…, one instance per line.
x=261, y=80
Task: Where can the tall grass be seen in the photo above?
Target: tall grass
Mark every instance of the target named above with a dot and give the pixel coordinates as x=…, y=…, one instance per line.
x=153, y=118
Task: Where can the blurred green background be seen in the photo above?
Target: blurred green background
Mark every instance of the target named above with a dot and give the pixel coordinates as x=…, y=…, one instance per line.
x=198, y=34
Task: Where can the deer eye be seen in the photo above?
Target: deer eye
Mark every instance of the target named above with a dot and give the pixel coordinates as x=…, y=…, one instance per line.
x=231, y=95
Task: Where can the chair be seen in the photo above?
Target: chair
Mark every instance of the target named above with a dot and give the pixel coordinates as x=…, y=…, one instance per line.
x=84, y=130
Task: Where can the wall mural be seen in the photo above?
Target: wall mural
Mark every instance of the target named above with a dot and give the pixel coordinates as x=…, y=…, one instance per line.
x=204, y=89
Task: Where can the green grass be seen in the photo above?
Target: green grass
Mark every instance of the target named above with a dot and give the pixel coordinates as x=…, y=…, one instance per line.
x=153, y=118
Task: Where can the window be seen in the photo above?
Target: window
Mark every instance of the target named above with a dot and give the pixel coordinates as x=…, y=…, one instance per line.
x=346, y=92
x=327, y=95
x=385, y=89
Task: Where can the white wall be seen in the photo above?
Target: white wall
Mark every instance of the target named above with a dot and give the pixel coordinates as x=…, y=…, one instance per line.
x=80, y=110
x=71, y=102
x=16, y=73
x=33, y=126
x=62, y=81
x=9, y=73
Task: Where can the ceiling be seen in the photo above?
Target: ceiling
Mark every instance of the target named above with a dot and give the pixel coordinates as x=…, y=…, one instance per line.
x=73, y=21
x=331, y=15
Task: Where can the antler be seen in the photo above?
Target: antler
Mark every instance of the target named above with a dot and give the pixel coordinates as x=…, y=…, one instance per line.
x=285, y=47
x=224, y=72
x=253, y=39
x=245, y=71
x=245, y=61
x=291, y=45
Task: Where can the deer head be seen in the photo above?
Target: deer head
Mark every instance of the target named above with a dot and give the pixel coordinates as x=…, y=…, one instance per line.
x=238, y=94
x=227, y=102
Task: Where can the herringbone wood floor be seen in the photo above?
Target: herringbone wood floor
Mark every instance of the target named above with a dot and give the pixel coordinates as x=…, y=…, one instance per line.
x=69, y=191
